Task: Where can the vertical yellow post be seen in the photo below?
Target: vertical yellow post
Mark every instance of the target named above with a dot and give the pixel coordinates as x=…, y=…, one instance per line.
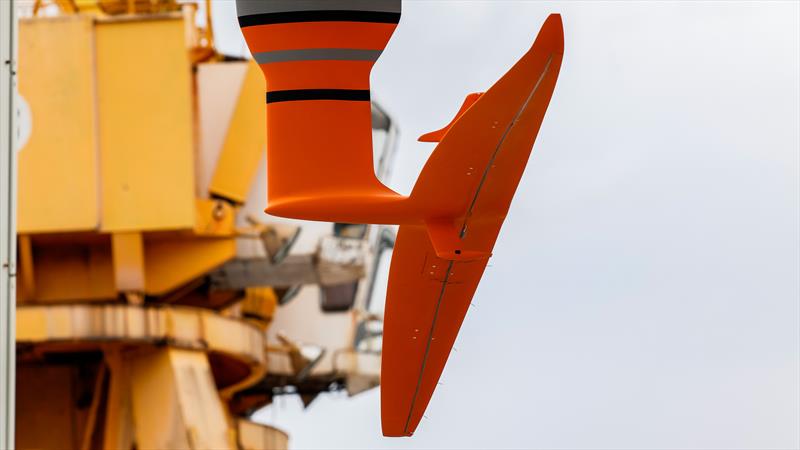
x=175, y=402
x=127, y=250
x=118, y=430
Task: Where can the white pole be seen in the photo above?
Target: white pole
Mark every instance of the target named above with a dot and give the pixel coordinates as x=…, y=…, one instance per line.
x=8, y=234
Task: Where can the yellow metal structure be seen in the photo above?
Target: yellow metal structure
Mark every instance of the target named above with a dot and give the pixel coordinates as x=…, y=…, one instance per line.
x=66, y=155
x=178, y=384
x=176, y=262
x=65, y=269
x=145, y=123
x=120, y=159
x=114, y=231
x=127, y=251
x=147, y=289
x=244, y=145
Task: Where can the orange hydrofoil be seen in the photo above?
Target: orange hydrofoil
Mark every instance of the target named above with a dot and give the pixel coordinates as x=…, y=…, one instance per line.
x=316, y=56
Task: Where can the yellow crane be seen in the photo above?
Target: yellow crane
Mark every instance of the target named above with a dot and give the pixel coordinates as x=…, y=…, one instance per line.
x=146, y=290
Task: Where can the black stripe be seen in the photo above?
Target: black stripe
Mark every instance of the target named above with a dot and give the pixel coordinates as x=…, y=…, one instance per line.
x=318, y=94
x=319, y=16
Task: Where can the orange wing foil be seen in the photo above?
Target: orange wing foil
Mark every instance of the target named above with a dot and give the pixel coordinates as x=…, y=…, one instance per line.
x=316, y=56
x=474, y=173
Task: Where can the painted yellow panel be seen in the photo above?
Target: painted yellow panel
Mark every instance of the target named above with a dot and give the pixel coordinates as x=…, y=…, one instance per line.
x=32, y=325
x=172, y=263
x=153, y=388
x=218, y=85
x=146, y=125
x=201, y=406
x=245, y=143
x=127, y=253
x=179, y=386
x=58, y=166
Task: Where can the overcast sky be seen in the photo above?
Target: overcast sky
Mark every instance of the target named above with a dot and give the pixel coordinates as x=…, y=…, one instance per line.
x=645, y=289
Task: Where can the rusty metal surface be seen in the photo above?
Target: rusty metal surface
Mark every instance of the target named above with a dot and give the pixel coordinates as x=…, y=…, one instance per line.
x=64, y=327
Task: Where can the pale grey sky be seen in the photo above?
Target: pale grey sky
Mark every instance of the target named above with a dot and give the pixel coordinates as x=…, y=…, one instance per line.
x=645, y=289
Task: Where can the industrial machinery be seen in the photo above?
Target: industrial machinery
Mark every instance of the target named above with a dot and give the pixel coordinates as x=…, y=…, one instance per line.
x=316, y=56
x=157, y=307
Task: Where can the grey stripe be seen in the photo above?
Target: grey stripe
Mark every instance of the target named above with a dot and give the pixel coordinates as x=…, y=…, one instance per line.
x=317, y=54
x=250, y=7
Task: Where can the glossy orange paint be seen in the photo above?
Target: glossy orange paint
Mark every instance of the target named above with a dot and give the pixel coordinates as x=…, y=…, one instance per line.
x=320, y=168
x=436, y=136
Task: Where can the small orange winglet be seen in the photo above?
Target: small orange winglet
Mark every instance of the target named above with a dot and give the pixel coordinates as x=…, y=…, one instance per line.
x=436, y=136
x=316, y=56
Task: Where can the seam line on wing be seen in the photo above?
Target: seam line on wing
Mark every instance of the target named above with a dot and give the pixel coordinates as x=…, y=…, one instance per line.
x=427, y=347
x=500, y=144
